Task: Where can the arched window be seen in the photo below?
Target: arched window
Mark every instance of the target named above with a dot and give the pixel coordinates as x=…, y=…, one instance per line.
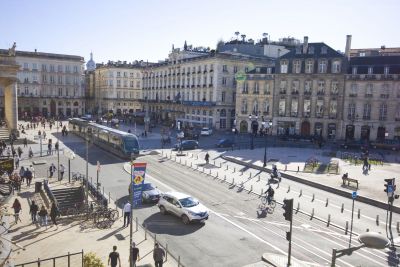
x=255, y=108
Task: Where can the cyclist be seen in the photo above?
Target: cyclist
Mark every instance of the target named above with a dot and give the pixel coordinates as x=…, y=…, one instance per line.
x=270, y=194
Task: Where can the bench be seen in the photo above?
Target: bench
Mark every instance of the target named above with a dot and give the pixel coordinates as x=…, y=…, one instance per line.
x=349, y=180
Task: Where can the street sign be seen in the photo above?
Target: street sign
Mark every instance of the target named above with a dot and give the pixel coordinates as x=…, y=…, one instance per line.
x=138, y=175
x=354, y=195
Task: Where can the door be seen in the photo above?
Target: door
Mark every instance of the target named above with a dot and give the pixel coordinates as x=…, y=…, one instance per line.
x=349, y=132
x=305, y=128
x=365, y=131
x=380, y=136
x=53, y=108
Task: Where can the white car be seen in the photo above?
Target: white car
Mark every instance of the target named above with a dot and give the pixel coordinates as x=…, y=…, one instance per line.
x=206, y=131
x=184, y=206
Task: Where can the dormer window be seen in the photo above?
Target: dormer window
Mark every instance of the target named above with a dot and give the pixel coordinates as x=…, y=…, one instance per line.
x=284, y=66
x=269, y=70
x=296, y=66
x=354, y=70
x=309, y=66
x=324, y=50
x=322, y=66
x=370, y=70
x=336, y=66
x=298, y=50
x=311, y=50
x=258, y=70
x=386, y=70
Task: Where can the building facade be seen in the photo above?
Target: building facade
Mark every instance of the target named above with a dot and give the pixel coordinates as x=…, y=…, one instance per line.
x=196, y=87
x=372, y=98
x=49, y=85
x=115, y=87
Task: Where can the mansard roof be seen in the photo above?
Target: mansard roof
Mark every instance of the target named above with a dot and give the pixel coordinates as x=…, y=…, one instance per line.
x=314, y=50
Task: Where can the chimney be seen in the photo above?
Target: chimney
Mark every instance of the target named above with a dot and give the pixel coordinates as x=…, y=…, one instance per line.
x=305, y=45
x=348, y=46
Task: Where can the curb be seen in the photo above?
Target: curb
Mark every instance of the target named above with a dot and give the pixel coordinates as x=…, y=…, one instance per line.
x=329, y=189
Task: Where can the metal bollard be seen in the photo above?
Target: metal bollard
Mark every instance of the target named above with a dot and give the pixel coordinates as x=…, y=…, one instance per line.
x=197, y=156
x=233, y=180
x=166, y=252
x=234, y=169
x=342, y=209
x=217, y=175
x=313, y=198
x=359, y=213
x=347, y=228
x=191, y=164
x=286, y=167
x=377, y=220
x=137, y=224
x=179, y=261
x=262, y=191
x=288, y=190
x=327, y=202
x=214, y=162
x=249, y=176
x=155, y=238
x=298, y=168
x=298, y=207
x=220, y=164
x=258, y=178
x=329, y=220
x=398, y=227
x=241, y=184
x=225, y=177
x=145, y=232
x=210, y=171
x=251, y=188
x=109, y=197
x=312, y=214
x=301, y=192
x=226, y=167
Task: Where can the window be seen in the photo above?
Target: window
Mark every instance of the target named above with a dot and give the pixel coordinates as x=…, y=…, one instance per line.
x=354, y=71
x=321, y=87
x=60, y=91
x=297, y=66
x=352, y=111
x=118, y=83
x=295, y=87
x=125, y=83
x=245, y=88
x=309, y=66
x=370, y=70
x=67, y=69
x=223, y=80
x=255, y=108
x=334, y=88
x=322, y=66
x=383, y=112
x=52, y=68
x=282, y=107
x=76, y=69
x=267, y=89
x=294, y=108
x=307, y=107
x=244, y=106
x=284, y=66
x=44, y=67
x=118, y=74
x=266, y=107
x=26, y=66
x=311, y=50
x=369, y=90
x=333, y=109
x=307, y=87
x=222, y=96
x=353, y=90
x=324, y=50
x=60, y=81
x=319, y=111
x=34, y=66
x=256, y=89
x=224, y=68
x=336, y=66
x=367, y=111
x=59, y=68
x=386, y=70
x=235, y=69
x=282, y=87
x=131, y=84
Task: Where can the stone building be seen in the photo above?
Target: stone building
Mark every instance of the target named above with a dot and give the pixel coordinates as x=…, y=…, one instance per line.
x=196, y=86
x=309, y=91
x=372, y=98
x=115, y=87
x=48, y=84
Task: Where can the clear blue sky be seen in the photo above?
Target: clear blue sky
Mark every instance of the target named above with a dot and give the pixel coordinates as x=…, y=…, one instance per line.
x=130, y=29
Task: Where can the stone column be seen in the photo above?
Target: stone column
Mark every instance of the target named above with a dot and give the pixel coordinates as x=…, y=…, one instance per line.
x=11, y=106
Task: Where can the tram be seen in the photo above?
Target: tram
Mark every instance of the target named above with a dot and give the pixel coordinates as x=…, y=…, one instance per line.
x=122, y=144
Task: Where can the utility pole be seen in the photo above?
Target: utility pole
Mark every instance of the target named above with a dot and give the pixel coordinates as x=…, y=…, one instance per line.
x=288, y=214
x=390, y=188
x=130, y=219
x=89, y=130
x=353, y=196
x=58, y=155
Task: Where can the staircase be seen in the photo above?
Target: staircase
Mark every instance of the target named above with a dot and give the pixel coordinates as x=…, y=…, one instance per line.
x=4, y=135
x=68, y=197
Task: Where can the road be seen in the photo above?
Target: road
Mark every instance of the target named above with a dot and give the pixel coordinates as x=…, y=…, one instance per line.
x=234, y=235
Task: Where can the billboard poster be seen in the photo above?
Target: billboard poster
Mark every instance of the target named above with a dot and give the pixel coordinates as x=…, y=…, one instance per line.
x=138, y=174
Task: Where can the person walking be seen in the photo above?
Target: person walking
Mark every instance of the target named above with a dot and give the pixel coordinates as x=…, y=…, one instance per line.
x=207, y=158
x=17, y=208
x=8, y=152
x=127, y=214
x=22, y=173
x=43, y=216
x=56, y=146
x=28, y=176
x=62, y=170
x=54, y=212
x=25, y=142
x=52, y=169
x=33, y=211
x=114, y=258
x=134, y=255
x=16, y=161
x=19, y=150
x=30, y=152
x=158, y=255
x=49, y=148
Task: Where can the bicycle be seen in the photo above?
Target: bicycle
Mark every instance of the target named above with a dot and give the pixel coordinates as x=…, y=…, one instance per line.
x=267, y=205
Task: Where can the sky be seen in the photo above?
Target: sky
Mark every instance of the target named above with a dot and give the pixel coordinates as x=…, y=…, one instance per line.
x=146, y=30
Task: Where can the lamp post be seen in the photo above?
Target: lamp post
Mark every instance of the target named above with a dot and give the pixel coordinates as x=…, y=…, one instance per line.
x=265, y=147
x=58, y=154
x=89, y=133
x=253, y=130
x=369, y=240
x=70, y=155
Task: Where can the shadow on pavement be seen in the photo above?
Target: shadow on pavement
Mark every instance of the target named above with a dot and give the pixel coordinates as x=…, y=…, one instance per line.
x=169, y=224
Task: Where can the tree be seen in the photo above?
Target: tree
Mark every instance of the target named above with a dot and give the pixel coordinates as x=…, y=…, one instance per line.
x=92, y=260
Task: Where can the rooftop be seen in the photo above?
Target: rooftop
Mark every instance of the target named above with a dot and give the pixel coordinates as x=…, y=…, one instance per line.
x=314, y=50
x=36, y=54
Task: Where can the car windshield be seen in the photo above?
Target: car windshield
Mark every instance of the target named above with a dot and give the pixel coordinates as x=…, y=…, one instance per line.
x=148, y=187
x=205, y=129
x=189, y=202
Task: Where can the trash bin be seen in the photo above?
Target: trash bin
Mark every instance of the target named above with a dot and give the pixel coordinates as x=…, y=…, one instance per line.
x=38, y=187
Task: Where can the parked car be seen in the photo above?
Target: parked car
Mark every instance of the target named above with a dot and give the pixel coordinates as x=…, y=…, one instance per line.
x=150, y=193
x=225, y=143
x=184, y=206
x=355, y=145
x=187, y=145
x=387, y=144
x=206, y=131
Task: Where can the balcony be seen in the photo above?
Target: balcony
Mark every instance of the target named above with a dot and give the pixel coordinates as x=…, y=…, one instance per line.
x=282, y=92
x=368, y=95
x=295, y=92
x=199, y=103
x=210, y=85
x=353, y=95
x=204, y=71
x=256, y=92
x=193, y=72
x=307, y=92
x=333, y=116
x=382, y=118
x=293, y=114
x=307, y=114
x=319, y=115
x=245, y=92
x=366, y=118
x=199, y=71
x=192, y=86
x=198, y=86
x=384, y=96
x=211, y=70
x=204, y=85
x=334, y=93
x=265, y=113
x=188, y=73
x=178, y=86
x=321, y=93
x=267, y=92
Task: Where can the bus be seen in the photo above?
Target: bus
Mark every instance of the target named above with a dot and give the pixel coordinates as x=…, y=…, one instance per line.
x=122, y=144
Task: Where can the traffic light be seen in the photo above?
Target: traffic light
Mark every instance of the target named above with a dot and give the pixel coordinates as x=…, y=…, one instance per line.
x=389, y=186
x=288, y=207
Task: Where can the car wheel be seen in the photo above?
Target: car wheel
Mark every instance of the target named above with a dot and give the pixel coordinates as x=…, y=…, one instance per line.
x=195, y=147
x=185, y=219
x=163, y=211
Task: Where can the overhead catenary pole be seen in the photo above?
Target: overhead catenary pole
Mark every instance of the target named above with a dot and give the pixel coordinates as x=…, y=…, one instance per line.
x=130, y=220
x=87, y=168
x=58, y=154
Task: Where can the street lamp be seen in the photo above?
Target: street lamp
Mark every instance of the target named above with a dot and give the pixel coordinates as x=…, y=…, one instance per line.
x=369, y=240
x=70, y=155
x=265, y=147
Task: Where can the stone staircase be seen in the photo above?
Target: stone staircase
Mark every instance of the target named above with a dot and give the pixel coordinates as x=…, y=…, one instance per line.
x=4, y=135
x=68, y=197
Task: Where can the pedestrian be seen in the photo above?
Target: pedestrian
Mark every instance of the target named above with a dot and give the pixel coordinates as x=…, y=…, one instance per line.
x=22, y=173
x=49, y=148
x=114, y=258
x=13, y=152
x=19, y=150
x=33, y=211
x=56, y=146
x=30, y=152
x=62, y=170
x=8, y=152
x=17, y=208
x=134, y=255
x=25, y=142
x=158, y=255
x=44, y=135
x=127, y=213
x=54, y=212
x=28, y=176
x=52, y=169
x=16, y=160
x=43, y=216
x=207, y=158
x=17, y=182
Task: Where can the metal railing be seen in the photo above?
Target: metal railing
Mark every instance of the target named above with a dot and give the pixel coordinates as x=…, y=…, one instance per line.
x=56, y=261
